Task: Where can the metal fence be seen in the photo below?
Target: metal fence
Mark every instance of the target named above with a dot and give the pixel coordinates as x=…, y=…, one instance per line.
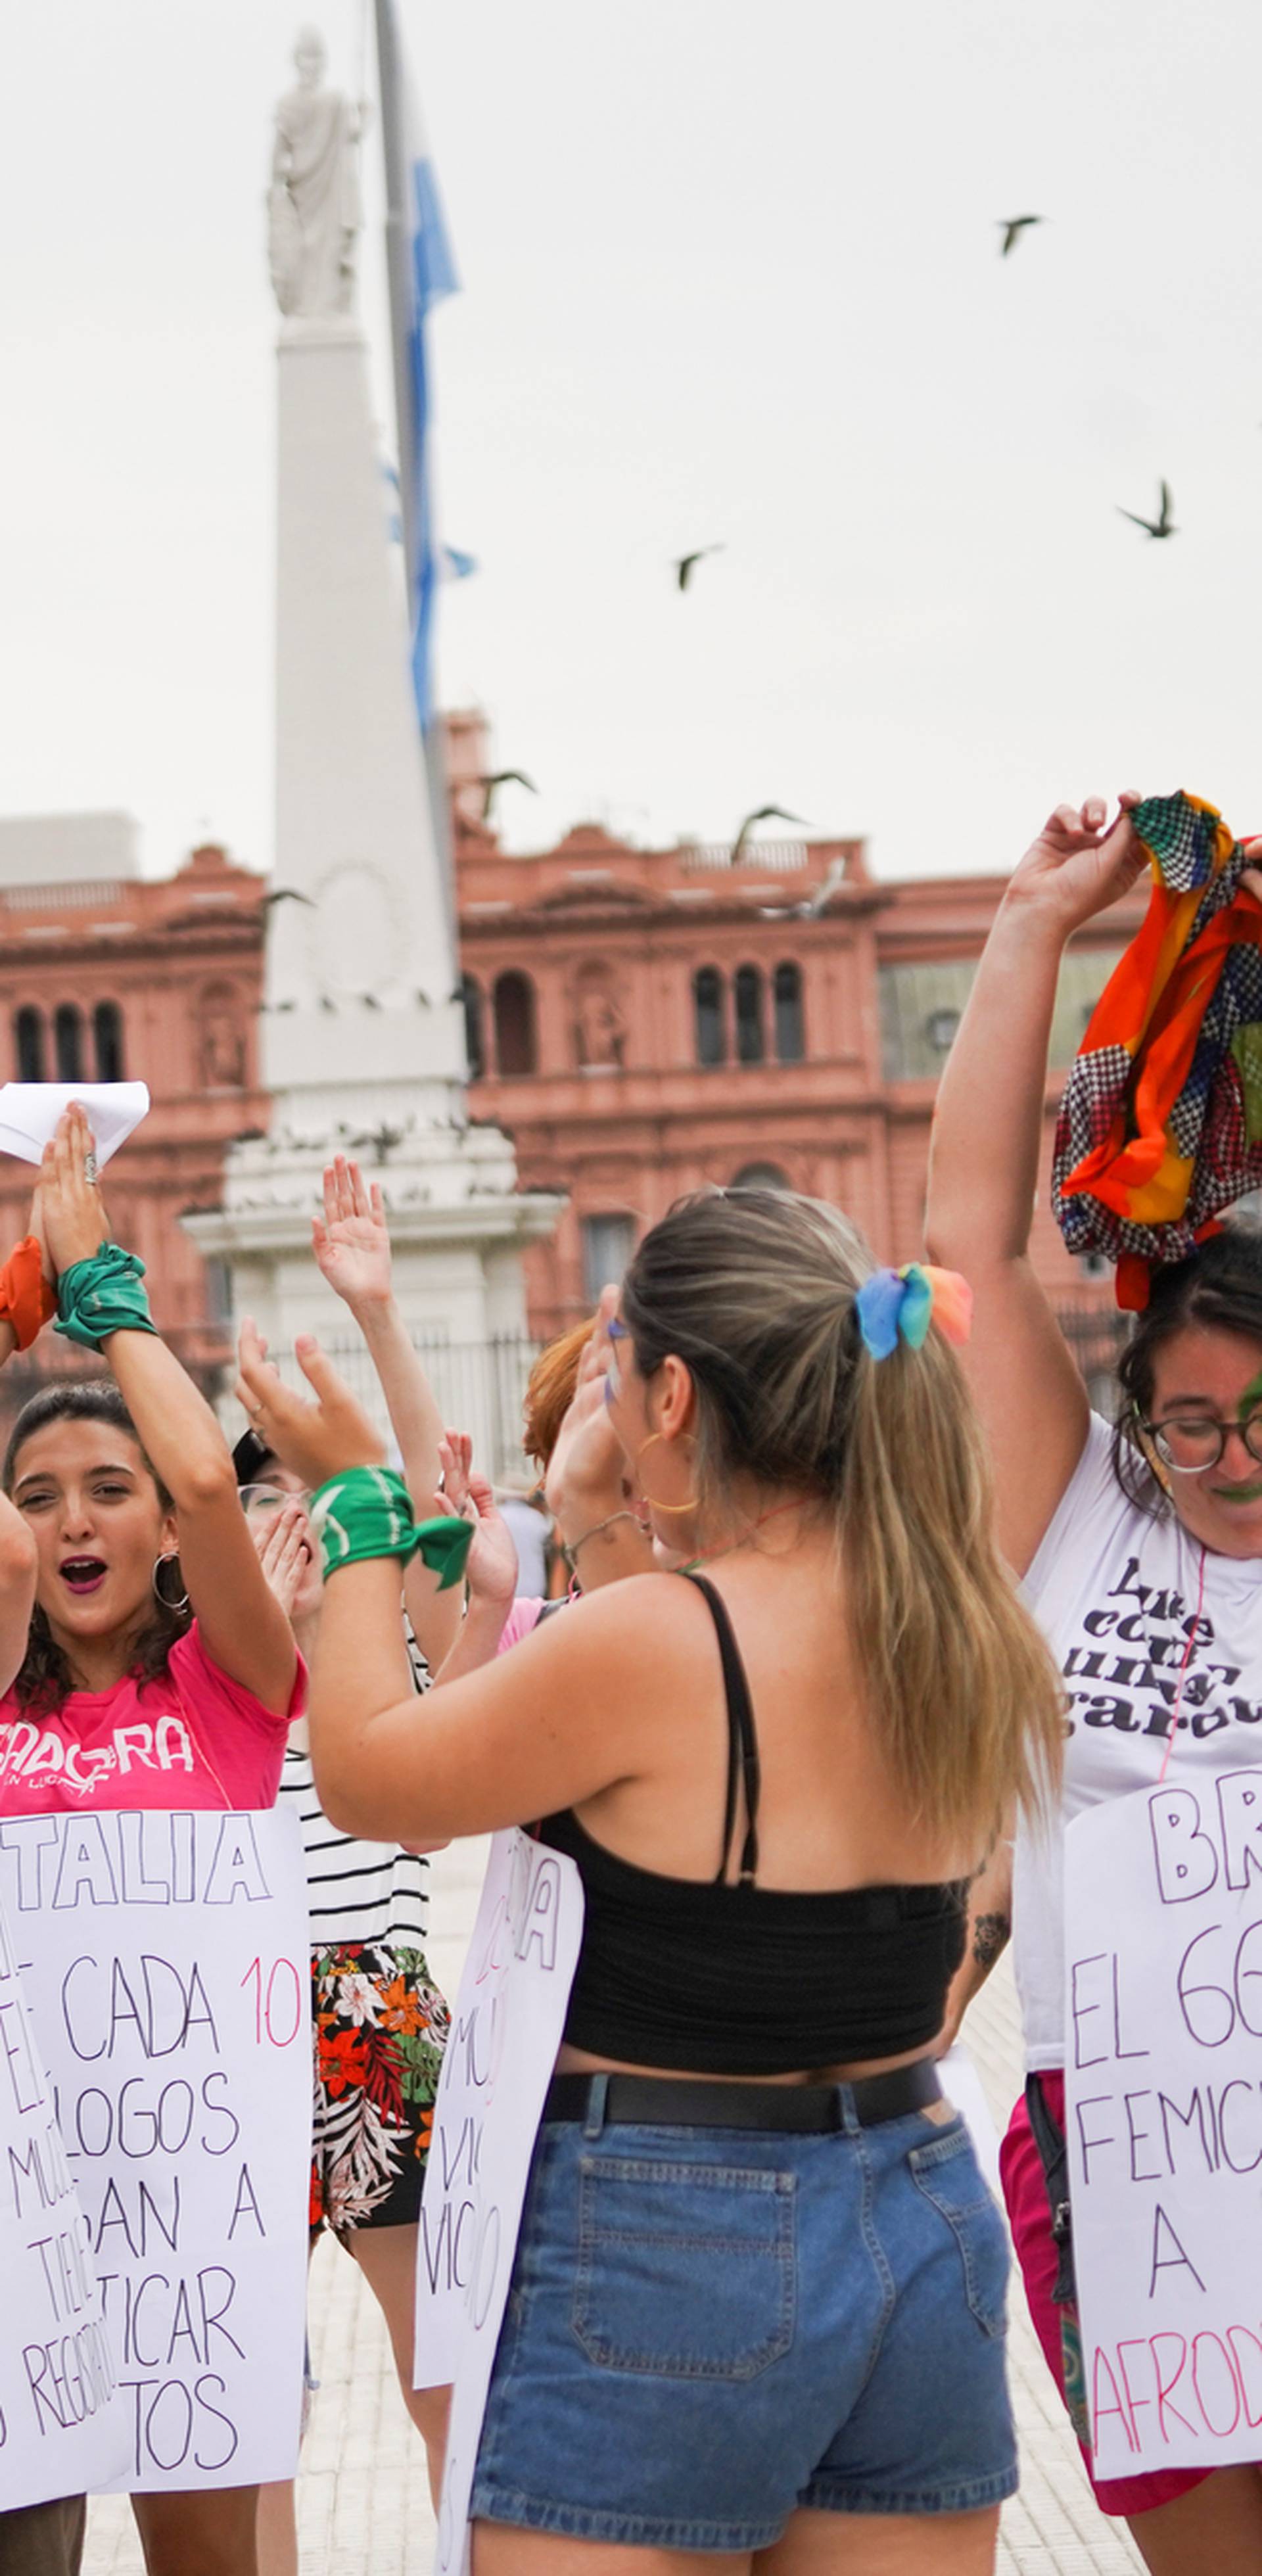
x=479, y=1387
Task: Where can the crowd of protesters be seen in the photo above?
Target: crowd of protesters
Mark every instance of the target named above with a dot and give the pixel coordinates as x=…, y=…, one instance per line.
x=788, y=1692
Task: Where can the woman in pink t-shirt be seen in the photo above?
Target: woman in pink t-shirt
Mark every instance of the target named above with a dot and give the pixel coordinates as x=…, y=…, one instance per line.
x=160, y=1670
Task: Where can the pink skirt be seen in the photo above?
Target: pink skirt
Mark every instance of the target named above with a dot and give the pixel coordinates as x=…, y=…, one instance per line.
x=1030, y=2218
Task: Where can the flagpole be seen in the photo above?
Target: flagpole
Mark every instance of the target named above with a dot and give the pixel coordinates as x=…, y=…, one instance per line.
x=398, y=264
x=399, y=275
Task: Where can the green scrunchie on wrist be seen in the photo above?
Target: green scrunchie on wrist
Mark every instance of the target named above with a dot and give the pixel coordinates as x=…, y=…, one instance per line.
x=104, y=1294
x=367, y=1511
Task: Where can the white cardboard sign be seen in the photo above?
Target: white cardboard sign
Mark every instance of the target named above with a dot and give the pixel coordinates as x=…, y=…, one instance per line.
x=164, y=1958
x=1163, y=1909
x=29, y=1112
x=63, y=2422
x=506, y=2030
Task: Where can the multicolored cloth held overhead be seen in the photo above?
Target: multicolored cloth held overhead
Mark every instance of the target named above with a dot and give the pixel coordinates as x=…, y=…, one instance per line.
x=1161, y=1123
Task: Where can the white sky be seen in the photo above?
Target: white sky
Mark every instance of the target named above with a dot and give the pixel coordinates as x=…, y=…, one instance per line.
x=730, y=273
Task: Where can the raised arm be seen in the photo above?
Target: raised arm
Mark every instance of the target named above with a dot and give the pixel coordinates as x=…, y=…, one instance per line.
x=586, y=1483
x=243, y=1628
x=351, y=1242
x=548, y=1726
x=984, y=1164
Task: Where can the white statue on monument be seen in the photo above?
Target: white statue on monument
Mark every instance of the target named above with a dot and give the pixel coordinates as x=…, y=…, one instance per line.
x=363, y=1024
x=314, y=207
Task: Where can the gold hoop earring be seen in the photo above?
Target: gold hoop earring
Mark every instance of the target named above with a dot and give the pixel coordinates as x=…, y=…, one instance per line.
x=172, y=1557
x=692, y=1503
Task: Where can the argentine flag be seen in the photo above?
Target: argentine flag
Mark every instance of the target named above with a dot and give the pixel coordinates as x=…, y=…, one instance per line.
x=431, y=274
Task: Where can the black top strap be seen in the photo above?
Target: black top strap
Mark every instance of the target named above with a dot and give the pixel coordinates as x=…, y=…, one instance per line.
x=743, y=1766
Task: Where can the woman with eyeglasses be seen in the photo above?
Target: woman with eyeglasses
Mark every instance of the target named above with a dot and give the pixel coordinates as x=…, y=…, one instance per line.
x=757, y=2308
x=1139, y=1544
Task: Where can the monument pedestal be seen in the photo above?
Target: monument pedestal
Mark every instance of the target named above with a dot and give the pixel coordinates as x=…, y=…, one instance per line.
x=363, y=1032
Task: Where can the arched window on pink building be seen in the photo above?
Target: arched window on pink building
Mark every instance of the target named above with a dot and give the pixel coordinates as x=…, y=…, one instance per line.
x=790, y=1025
x=29, y=1040
x=708, y=1018
x=474, y=1026
x=516, y=1046
x=107, y=1032
x=751, y=1044
x=68, y=1042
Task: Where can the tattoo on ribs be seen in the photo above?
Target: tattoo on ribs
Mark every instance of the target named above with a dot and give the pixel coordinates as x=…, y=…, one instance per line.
x=991, y=1933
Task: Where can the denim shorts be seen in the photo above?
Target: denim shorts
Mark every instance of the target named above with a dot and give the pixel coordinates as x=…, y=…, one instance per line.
x=710, y=2329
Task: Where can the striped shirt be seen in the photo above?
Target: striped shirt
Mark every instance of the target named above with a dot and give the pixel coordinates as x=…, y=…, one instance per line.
x=369, y=1892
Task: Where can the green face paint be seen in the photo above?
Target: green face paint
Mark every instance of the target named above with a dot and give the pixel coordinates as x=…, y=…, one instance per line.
x=1237, y=1493
x=1251, y=1399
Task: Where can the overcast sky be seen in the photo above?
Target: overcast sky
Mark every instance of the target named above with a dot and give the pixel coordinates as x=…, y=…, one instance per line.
x=730, y=274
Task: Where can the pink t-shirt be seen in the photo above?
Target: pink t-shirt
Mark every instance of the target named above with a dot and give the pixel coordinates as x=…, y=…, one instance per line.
x=523, y=1616
x=519, y=1624
x=193, y=1739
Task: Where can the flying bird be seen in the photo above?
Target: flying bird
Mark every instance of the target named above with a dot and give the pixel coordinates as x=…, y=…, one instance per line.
x=761, y=814
x=502, y=778
x=287, y=894
x=370, y=1001
x=684, y=563
x=1012, y=227
x=1160, y=527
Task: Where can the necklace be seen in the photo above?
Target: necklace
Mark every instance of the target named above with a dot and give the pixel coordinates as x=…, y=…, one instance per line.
x=712, y=1554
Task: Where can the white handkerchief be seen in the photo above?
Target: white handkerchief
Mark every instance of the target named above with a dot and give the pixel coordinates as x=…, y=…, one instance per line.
x=29, y=1112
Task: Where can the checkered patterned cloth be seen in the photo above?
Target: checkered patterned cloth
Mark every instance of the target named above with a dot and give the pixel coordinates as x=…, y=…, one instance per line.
x=1161, y=1123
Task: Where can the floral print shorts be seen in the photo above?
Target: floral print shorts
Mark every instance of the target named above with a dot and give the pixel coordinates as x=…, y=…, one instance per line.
x=380, y=2029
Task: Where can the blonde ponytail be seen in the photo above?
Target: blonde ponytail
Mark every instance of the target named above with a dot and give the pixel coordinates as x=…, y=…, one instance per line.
x=756, y=1291
x=971, y=1707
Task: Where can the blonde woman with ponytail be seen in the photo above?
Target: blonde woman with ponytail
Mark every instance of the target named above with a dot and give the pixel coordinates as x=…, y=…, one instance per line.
x=758, y=2305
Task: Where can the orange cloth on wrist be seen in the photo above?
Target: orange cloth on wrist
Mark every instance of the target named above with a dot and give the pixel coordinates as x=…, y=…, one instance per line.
x=26, y=1299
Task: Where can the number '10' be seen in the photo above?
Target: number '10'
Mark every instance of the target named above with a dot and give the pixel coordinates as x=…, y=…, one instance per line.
x=267, y=2009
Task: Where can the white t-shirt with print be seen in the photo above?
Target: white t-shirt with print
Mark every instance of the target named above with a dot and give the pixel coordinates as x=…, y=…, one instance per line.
x=1115, y=1593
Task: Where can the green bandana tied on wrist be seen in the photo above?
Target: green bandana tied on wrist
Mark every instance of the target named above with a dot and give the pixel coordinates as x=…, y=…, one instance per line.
x=103, y=1295
x=367, y=1511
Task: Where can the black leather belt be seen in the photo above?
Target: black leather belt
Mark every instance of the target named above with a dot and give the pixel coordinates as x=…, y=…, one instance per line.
x=668, y=2101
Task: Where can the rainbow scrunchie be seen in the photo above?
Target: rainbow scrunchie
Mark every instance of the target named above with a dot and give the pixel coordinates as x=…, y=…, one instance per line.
x=896, y=1306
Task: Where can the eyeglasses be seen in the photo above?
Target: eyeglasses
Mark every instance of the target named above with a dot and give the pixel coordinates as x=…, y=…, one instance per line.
x=263, y=1502
x=1189, y=1447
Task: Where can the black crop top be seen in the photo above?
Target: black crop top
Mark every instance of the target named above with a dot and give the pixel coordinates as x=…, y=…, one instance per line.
x=728, y=1978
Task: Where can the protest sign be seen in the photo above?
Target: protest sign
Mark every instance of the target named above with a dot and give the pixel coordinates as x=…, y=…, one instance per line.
x=63, y=2425
x=164, y=1959
x=29, y=1112
x=1163, y=1908
x=505, y=2034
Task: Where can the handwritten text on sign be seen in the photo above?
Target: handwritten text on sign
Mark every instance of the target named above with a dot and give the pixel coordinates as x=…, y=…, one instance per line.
x=505, y=2034
x=55, y=2342
x=1163, y=1904
x=164, y=1958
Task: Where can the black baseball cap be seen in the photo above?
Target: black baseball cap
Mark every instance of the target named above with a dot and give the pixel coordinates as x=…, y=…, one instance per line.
x=250, y=1456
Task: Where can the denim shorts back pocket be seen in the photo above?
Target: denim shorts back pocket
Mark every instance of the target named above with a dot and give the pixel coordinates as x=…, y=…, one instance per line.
x=685, y=2271
x=947, y=2173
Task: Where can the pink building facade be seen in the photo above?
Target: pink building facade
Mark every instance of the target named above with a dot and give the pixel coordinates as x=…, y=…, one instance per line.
x=643, y=1022
x=647, y=1021
x=159, y=981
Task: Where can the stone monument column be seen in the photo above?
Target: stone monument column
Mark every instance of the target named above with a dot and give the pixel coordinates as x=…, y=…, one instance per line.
x=363, y=1031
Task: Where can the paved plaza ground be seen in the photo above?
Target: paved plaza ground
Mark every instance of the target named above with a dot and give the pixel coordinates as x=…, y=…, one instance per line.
x=363, y=2504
